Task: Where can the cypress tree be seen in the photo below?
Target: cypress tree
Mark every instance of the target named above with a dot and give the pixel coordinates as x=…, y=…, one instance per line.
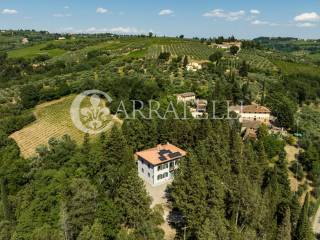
x=185, y=61
x=4, y=198
x=284, y=230
x=303, y=230
x=86, y=144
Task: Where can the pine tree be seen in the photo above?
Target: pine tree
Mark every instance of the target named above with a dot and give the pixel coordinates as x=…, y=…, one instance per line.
x=205, y=232
x=115, y=161
x=189, y=193
x=85, y=234
x=97, y=231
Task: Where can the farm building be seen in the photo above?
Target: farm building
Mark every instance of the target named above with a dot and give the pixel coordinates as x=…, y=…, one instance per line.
x=186, y=97
x=193, y=66
x=200, y=108
x=228, y=45
x=157, y=165
x=24, y=40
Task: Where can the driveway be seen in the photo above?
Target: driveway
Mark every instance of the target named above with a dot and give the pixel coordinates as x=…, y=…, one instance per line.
x=158, y=194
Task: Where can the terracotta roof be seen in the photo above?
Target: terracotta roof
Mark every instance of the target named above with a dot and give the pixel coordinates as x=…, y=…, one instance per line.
x=187, y=94
x=255, y=109
x=161, y=154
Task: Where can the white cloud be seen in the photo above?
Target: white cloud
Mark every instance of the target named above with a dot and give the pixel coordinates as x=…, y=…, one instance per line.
x=166, y=12
x=307, y=17
x=102, y=10
x=119, y=30
x=61, y=15
x=67, y=29
x=230, y=16
x=306, y=25
x=265, y=23
x=66, y=7
x=9, y=11
x=125, y=30
x=258, y=22
x=254, y=11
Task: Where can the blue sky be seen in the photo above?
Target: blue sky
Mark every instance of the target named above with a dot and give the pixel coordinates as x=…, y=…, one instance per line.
x=202, y=18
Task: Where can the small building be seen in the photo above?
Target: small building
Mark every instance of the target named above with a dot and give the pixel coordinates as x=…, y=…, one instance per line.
x=194, y=66
x=186, y=97
x=200, y=108
x=61, y=38
x=228, y=45
x=201, y=105
x=24, y=40
x=157, y=165
x=252, y=112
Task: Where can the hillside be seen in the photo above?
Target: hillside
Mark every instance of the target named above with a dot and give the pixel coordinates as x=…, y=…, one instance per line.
x=228, y=186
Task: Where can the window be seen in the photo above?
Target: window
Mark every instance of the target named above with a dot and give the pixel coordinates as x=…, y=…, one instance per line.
x=148, y=174
x=159, y=177
x=165, y=175
x=159, y=168
x=142, y=170
x=165, y=166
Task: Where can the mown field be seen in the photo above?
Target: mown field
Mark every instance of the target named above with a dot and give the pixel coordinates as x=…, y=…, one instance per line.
x=53, y=120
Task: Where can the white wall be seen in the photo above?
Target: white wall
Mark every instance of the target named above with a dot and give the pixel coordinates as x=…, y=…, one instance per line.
x=154, y=172
x=186, y=99
x=262, y=117
x=163, y=171
x=145, y=171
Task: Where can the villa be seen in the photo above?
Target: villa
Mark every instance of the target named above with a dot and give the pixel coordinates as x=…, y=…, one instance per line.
x=157, y=165
x=252, y=113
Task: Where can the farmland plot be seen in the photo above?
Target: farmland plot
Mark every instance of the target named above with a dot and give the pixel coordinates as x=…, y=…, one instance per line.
x=256, y=61
x=53, y=120
x=196, y=51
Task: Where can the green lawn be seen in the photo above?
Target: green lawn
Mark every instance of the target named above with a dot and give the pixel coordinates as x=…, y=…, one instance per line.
x=33, y=51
